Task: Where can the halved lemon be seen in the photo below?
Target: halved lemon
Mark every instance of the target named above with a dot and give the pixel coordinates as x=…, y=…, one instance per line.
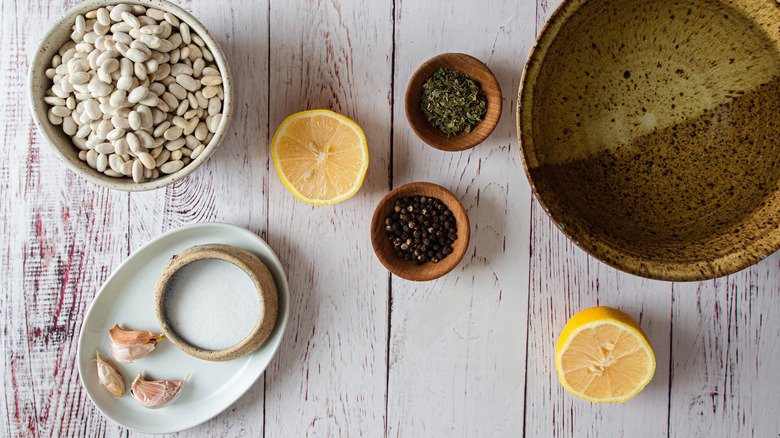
x=603, y=356
x=320, y=156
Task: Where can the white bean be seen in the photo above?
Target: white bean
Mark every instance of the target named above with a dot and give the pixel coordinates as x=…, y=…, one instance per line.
x=197, y=67
x=135, y=120
x=144, y=113
x=201, y=130
x=160, y=129
x=170, y=18
x=127, y=168
x=69, y=125
x=197, y=151
x=175, y=144
x=92, y=109
x=184, y=29
x=138, y=94
x=138, y=171
x=110, y=65
x=145, y=139
x=172, y=166
x=139, y=69
x=173, y=133
x=136, y=55
x=211, y=80
x=83, y=131
x=115, y=134
x=104, y=148
x=115, y=162
x=125, y=83
x=183, y=107
x=181, y=69
x=79, y=78
x=60, y=111
x=99, y=88
x=162, y=157
x=131, y=19
x=147, y=120
x=215, y=121
x=92, y=158
x=101, y=163
x=187, y=82
x=116, y=13
x=147, y=160
x=155, y=14
x=215, y=105
x=210, y=91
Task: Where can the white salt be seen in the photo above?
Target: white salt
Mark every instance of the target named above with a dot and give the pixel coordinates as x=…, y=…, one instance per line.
x=211, y=304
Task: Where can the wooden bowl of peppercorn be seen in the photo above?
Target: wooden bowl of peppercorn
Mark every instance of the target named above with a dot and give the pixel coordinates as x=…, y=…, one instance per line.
x=453, y=107
x=420, y=231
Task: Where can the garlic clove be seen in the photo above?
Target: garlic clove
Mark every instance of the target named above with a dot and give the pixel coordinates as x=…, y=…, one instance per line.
x=155, y=394
x=129, y=345
x=110, y=377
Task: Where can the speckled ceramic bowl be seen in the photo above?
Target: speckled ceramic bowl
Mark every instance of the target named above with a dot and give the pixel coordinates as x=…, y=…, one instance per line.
x=61, y=144
x=257, y=271
x=650, y=132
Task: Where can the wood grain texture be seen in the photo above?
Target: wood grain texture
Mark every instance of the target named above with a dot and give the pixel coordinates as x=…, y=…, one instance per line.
x=725, y=347
x=565, y=280
x=470, y=354
x=686, y=343
x=329, y=376
x=231, y=186
x=458, y=343
x=61, y=238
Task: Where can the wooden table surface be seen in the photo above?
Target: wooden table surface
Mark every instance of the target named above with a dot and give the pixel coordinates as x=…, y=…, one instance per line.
x=366, y=353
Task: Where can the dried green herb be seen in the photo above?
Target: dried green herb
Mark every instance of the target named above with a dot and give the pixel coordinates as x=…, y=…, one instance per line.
x=452, y=102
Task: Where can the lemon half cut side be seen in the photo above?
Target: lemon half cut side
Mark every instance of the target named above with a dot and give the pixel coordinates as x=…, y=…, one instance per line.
x=603, y=356
x=320, y=156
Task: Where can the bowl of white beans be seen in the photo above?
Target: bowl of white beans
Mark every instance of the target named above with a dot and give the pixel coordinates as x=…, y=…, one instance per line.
x=131, y=95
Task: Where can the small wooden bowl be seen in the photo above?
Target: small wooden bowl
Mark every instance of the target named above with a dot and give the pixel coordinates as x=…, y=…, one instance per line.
x=257, y=271
x=477, y=71
x=383, y=248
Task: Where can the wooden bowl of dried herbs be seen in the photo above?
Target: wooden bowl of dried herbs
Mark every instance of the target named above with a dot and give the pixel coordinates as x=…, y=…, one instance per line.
x=453, y=102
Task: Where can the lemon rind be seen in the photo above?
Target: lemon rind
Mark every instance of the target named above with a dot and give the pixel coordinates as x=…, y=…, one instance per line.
x=645, y=345
x=288, y=184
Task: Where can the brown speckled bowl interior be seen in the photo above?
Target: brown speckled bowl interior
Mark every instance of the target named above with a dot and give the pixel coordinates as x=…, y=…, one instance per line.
x=650, y=132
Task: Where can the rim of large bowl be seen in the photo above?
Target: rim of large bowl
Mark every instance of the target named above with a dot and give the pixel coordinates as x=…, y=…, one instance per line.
x=695, y=270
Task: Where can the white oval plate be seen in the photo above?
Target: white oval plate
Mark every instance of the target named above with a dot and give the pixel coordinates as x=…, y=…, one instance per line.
x=127, y=299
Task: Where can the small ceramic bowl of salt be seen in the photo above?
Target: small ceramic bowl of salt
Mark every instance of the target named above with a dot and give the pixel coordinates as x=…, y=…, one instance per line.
x=216, y=302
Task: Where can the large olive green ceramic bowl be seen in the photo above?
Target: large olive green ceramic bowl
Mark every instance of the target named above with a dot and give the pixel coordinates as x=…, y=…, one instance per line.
x=650, y=132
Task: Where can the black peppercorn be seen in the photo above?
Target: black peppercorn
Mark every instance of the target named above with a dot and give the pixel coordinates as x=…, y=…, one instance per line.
x=421, y=229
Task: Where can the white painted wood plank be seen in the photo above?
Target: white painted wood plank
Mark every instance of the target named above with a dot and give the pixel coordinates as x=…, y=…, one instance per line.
x=329, y=376
x=61, y=238
x=232, y=185
x=565, y=280
x=457, y=350
x=726, y=346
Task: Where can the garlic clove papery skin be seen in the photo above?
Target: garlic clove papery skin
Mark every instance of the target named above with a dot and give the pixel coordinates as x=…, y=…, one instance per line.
x=129, y=353
x=129, y=345
x=154, y=394
x=110, y=377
